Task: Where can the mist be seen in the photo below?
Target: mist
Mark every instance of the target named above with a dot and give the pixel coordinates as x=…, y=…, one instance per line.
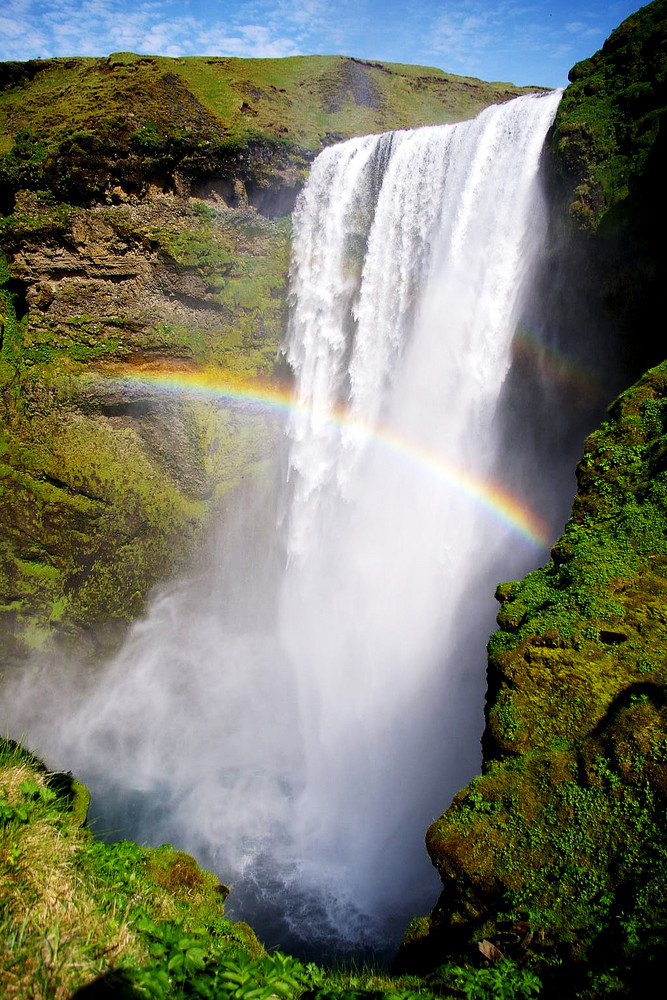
x=299, y=709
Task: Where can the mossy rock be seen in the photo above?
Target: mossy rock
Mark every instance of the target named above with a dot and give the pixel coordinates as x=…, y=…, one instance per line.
x=605, y=167
x=565, y=829
x=609, y=120
x=108, y=486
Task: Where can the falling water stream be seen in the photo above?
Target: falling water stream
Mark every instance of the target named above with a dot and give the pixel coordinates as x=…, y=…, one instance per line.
x=301, y=740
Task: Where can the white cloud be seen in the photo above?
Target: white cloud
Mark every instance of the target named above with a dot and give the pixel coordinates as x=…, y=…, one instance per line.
x=559, y=52
x=260, y=28
x=582, y=29
x=11, y=28
x=464, y=32
x=249, y=40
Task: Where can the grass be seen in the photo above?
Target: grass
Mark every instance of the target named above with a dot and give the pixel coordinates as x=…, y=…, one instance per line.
x=73, y=908
x=225, y=101
x=148, y=922
x=564, y=830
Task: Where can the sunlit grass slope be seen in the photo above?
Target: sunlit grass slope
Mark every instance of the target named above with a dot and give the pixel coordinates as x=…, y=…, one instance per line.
x=73, y=908
x=221, y=100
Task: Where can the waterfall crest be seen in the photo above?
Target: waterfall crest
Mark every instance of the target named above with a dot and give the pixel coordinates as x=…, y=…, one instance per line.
x=302, y=749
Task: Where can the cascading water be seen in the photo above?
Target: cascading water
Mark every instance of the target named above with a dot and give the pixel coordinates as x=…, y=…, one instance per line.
x=410, y=252
x=302, y=740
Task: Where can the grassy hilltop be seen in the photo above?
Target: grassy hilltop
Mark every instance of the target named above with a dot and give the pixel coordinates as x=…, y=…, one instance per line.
x=64, y=122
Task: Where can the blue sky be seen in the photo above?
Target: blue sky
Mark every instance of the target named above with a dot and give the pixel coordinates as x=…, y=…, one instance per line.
x=535, y=41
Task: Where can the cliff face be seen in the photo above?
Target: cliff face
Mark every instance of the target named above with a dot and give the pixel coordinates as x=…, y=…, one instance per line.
x=555, y=856
x=564, y=831
x=146, y=229
x=107, y=489
x=607, y=154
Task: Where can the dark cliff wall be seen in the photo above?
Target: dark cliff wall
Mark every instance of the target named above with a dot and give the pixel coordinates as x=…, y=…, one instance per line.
x=607, y=154
x=555, y=857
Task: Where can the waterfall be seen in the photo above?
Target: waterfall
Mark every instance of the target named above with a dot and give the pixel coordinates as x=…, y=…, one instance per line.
x=301, y=746
x=410, y=254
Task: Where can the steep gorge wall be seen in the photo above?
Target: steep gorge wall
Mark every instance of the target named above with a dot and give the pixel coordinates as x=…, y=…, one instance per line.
x=146, y=230
x=555, y=856
x=106, y=489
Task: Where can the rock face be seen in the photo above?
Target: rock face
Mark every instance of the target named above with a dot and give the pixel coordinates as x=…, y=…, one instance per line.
x=607, y=158
x=106, y=488
x=146, y=230
x=565, y=827
x=556, y=856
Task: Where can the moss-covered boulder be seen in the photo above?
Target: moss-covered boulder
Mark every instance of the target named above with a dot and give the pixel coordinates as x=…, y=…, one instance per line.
x=557, y=853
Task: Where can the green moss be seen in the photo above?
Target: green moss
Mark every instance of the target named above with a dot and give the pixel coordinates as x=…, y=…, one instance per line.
x=608, y=123
x=107, y=490
x=574, y=838
x=566, y=824
x=93, y=517
x=593, y=619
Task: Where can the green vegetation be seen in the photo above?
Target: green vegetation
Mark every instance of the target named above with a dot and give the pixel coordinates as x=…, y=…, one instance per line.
x=558, y=852
x=608, y=125
x=141, y=922
x=73, y=908
x=592, y=621
x=606, y=172
x=503, y=981
x=79, y=126
x=107, y=490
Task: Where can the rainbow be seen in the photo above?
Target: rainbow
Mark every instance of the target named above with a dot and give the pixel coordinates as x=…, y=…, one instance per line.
x=489, y=495
x=562, y=369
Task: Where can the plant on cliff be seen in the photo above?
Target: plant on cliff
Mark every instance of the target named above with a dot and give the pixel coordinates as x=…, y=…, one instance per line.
x=608, y=131
x=558, y=851
x=502, y=981
x=73, y=909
